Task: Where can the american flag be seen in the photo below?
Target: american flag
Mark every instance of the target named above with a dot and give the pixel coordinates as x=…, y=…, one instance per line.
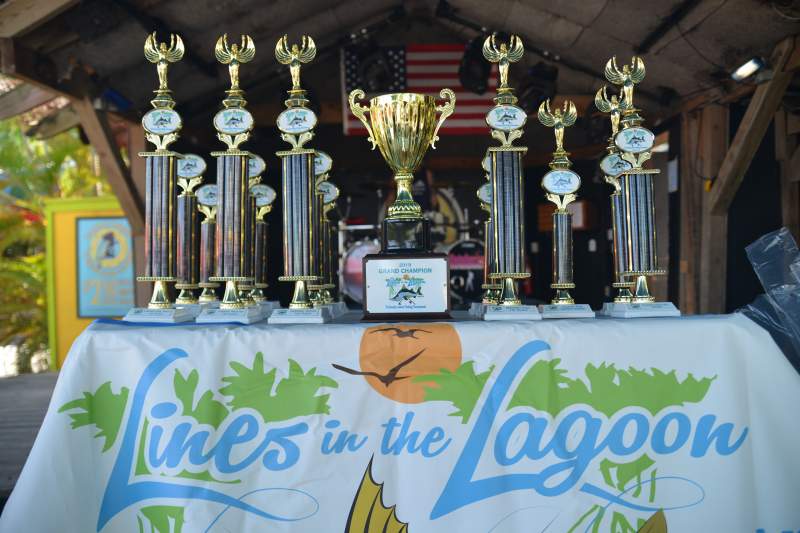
x=426, y=69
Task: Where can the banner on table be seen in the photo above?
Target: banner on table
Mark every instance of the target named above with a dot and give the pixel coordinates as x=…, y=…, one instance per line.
x=431, y=427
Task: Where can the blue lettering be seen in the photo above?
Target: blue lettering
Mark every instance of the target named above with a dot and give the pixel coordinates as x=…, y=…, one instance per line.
x=659, y=440
x=705, y=433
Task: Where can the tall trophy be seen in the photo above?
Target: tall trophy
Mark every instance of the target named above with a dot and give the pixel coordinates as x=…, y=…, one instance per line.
x=505, y=174
x=405, y=279
x=207, y=199
x=161, y=125
x=328, y=193
x=255, y=167
x=233, y=124
x=190, y=175
x=325, y=194
x=296, y=124
x=635, y=142
x=263, y=199
x=490, y=290
x=561, y=184
x=612, y=166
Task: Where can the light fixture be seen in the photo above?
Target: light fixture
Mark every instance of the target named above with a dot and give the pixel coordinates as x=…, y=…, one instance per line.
x=539, y=85
x=748, y=68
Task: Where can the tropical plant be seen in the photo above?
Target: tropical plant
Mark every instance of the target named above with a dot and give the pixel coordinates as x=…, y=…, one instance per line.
x=31, y=172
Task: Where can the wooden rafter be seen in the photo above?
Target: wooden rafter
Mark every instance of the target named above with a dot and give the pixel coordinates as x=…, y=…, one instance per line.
x=99, y=133
x=756, y=120
x=20, y=16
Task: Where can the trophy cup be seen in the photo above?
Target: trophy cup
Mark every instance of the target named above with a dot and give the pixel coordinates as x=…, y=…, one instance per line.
x=405, y=279
x=161, y=125
x=612, y=166
x=190, y=175
x=505, y=173
x=233, y=124
x=561, y=184
x=636, y=190
x=296, y=124
x=207, y=205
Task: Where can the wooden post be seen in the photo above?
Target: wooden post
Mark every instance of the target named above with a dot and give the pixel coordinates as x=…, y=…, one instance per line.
x=786, y=152
x=714, y=230
x=691, y=190
x=96, y=128
x=759, y=114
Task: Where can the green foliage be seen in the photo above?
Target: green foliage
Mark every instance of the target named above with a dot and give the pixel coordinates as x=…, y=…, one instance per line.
x=158, y=518
x=103, y=409
x=462, y=388
x=208, y=410
x=295, y=395
x=31, y=172
x=546, y=387
x=625, y=472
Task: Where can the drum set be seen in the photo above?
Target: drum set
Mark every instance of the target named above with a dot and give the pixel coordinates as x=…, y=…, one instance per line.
x=452, y=233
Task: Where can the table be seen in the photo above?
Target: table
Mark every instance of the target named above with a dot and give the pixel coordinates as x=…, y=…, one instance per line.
x=573, y=425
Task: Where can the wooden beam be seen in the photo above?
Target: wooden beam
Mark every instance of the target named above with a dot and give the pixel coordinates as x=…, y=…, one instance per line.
x=97, y=130
x=22, y=98
x=755, y=122
x=20, y=16
x=712, y=279
x=690, y=191
x=786, y=146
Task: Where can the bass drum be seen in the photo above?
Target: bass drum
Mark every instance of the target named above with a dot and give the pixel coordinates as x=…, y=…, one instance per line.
x=466, y=272
x=352, y=283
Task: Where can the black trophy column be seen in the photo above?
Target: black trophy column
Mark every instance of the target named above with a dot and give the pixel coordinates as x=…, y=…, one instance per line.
x=231, y=218
x=297, y=179
x=160, y=217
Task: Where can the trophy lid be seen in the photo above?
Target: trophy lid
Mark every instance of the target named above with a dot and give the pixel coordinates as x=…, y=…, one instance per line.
x=207, y=195
x=190, y=166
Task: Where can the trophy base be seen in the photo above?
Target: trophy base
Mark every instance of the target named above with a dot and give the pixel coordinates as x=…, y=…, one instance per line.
x=174, y=315
x=317, y=315
x=406, y=286
x=566, y=311
x=336, y=309
x=476, y=309
x=511, y=312
x=639, y=310
x=406, y=236
x=244, y=315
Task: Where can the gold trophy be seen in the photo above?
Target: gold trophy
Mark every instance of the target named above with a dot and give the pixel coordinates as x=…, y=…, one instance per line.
x=403, y=126
x=561, y=184
x=635, y=143
x=161, y=125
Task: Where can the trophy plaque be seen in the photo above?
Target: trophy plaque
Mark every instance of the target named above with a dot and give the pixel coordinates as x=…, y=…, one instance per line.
x=296, y=124
x=161, y=125
x=233, y=124
x=561, y=184
x=634, y=143
x=506, y=120
x=405, y=280
x=207, y=205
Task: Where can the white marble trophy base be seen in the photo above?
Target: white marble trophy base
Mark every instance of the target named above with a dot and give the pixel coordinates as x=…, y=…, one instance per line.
x=269, y=305
x=339, y=308
x=194, y=309
x=511, y=312
x=566, y=311
x=245, y=315
x=476, y=309
x=635, y=310
x=316, y=315
x=162, y=316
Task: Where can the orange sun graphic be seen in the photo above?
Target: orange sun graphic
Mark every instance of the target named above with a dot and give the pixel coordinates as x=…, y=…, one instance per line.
x=400, y=352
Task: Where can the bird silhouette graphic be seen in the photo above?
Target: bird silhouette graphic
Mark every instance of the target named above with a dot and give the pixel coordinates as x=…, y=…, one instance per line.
x=402, y=333
x=388, y=378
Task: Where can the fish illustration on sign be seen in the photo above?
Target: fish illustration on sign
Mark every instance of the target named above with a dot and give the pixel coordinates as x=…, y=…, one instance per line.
x=369, y=513
x=297, y=120
x=406, y=295
x=234, y=120
x=163, y=120
x=636, y=139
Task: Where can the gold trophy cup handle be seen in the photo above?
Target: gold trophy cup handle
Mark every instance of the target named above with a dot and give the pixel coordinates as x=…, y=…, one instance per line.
x=361, y=112
x=445, y=109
